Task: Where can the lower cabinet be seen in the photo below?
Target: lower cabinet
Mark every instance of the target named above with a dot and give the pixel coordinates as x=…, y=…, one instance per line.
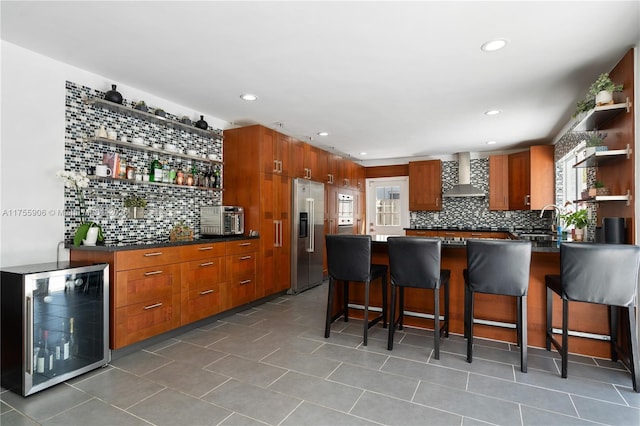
x=153, y=291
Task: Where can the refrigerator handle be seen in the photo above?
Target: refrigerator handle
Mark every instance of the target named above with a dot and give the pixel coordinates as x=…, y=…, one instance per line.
x=29, y=342
x=312, y=230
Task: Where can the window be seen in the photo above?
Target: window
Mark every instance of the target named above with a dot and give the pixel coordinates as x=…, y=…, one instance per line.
x=388, y=205
x=574, y=180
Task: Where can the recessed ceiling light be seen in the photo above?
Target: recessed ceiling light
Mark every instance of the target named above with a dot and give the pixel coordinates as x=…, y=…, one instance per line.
x=491, y=142
x=363, y=153
x=248, y=97
x=323, y=134
x=493, y=112
x=493, y=45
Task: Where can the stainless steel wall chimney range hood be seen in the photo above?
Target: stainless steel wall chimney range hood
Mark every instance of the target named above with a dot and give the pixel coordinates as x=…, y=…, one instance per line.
x=464, y=188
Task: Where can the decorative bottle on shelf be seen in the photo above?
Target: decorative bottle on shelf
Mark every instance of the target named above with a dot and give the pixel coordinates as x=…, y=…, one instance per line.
x=156, y=170
x=73, y=342
x=201, y=124
x=216, y=178
x=64, y=345
x=165, y=171
x=113, y=95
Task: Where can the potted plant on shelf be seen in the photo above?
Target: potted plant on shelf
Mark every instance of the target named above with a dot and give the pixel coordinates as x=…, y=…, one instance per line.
x=181, y=232
x=598, y=188
x=600, y=93
x=160, y=112
x=579, y=219
x=135, y=206
x=141, y=106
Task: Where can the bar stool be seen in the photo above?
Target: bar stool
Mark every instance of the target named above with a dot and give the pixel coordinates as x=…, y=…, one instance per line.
x=498, y=267
x=415, y=262
x=605, y=274
x=349, y=259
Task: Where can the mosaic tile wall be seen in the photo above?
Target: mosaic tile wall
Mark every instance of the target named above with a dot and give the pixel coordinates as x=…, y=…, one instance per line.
x=167, y=205
x=472, y=211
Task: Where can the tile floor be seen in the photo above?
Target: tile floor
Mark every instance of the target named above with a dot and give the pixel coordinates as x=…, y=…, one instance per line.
x=271, y=365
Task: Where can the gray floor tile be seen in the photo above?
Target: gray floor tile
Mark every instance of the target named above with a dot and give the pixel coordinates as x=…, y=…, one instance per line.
x=247, y=319
x=536, y=417
x=174, y=408
x=313, y=415
x=376, y=381
x=513, y=358
x=606, y=412
x=545, y=399
x=591, y=372
x=468, y=404
x=236, y=330
x=351, y=356
x=252, y=401
x=182, y=377
x=427, y=372
x=4, y=407
x=248, y=371
x=191, y=354
x=348, y=340
x=290, y=341
x=46, y=403
x=140, y=362
x=237, y=419
x=478, y=366
x=391, y=411
x=14, y=418
x=314, y=365
x=202, y=337
x=95, y=413
x=119, y=388
x=238, y=345
x=323, y=392
x=416, y=353
x=631, y=397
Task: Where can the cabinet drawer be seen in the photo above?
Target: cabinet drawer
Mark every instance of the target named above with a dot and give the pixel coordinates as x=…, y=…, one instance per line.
x=203, y=273
x=417, y=233
x=241, y=275
x=202, y=251
x=132, y=259
x=143, y=320
x=199, y=304
x=139, y=285
x=241, y=246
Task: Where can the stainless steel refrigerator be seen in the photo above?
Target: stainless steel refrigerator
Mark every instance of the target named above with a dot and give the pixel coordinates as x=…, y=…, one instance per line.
x=307, y=235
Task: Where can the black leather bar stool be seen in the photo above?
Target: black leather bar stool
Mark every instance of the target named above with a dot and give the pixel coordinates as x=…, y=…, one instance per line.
x=498, y=267
x=415, y=262
x=349, y=259
x=606, y=274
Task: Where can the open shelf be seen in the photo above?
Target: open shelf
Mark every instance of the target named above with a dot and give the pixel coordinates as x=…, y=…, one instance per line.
x=596, y=117
x=153, y=118
x=138, y=182
x=146, y=148
x=598, y=198
x=596, y=158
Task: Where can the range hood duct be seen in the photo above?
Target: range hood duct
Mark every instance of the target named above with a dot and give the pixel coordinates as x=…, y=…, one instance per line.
x=464, y=188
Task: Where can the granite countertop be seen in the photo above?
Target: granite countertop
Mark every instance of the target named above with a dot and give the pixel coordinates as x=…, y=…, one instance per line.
x=549, y=246
x=121, y=245
x=477, y=228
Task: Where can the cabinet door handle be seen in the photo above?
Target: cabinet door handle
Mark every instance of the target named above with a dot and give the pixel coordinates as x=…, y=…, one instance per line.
x=245, y=257
x=449, y=233
x=527, y=200
x=243, y=282
x=206, y=264
x=152, y=273
x=205, y=248
x=202, y=293
x=155, y=305
x=155, y=253
x=244, y=244
x=476, y=235
x=29, y=336
x=275, y=166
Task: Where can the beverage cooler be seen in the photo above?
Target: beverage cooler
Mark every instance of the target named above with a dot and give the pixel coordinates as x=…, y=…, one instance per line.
x=54, y=326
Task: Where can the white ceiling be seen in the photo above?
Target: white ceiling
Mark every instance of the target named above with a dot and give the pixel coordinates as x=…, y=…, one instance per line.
x=394, y=79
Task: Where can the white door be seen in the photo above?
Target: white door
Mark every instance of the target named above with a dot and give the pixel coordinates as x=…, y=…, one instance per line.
x=387, y=205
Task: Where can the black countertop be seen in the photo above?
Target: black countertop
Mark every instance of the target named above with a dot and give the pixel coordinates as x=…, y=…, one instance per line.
x=120, y=245
x=549, y=246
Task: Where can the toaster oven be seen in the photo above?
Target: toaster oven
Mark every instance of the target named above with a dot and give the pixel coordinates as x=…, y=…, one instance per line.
x=221, y=220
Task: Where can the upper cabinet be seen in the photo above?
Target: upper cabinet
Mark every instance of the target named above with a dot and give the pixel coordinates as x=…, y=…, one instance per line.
x=499, y=182
x=275, y=152
x=425, y=185
x=531, y=178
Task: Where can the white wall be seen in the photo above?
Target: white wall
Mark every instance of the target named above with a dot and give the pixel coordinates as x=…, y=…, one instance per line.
x=32, y=150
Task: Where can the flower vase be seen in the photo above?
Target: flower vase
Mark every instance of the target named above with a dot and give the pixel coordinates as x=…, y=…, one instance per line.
x=92, y=236
x=604, y=98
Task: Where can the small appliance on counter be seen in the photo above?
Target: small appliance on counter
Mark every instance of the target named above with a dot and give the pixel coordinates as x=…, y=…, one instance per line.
x=221, y=220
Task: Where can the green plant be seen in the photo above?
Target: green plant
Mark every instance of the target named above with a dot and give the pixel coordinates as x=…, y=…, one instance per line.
x=595, y=139
x=603, y=82
x=135, y=201
x=579, y=218
x=140, y=104
x=598, y=184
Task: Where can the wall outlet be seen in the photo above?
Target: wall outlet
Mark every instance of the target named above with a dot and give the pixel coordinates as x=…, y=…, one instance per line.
x=436, y=216
x=507, y=214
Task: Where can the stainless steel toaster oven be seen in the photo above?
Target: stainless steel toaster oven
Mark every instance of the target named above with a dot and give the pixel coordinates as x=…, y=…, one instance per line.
x=221, y=220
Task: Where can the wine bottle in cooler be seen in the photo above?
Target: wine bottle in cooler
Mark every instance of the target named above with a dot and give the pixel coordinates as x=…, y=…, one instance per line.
x=62, y=348
x=73, y=341
x=48, y=355
x=39, y=355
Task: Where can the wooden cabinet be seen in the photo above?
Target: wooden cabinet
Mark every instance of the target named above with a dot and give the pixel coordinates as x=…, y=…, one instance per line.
x=531, y=178
x=499, y=182
x=425, y=185
x=359, y=177
x=421, y=233
x=241, y=264
x=308, y=162
x=275, y=151
x=266, y=198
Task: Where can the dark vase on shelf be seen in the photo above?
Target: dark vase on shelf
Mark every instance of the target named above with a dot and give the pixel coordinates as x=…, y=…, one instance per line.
x=160, y=113
x=113, y=95
x=201, y=124
x=141, y=106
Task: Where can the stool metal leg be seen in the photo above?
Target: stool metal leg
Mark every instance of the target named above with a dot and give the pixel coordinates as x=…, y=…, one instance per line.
x=565, y=337
x=446, y=309
x=633, y=343
x=392, y=321
x=366, y=312
x=436, y=323
x=549, y=325
x=327, y=326
x=469, y=327
x=614, y=315
x=384, y=301
x=401, y=309
x=523, y=333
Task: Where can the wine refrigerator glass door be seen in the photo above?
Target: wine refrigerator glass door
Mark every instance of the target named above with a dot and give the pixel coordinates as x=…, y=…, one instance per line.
x=66, y=326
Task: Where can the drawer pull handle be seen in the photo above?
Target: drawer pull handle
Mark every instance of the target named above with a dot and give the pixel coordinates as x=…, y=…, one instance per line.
x=155, y=253
x=206, y=264
x=155, y=305
x=246, y=257
x=152, y=273
x=202, y=293
x=476, y=235
x=243, y=282
x=244, y=244
x=449, y=233
x=205, y=248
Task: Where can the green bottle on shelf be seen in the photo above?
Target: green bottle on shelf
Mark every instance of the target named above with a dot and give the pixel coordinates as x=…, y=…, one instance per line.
x=155, y=174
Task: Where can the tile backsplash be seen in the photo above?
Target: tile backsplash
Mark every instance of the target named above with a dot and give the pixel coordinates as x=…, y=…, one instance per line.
x=167, y=205
x=474, y=211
